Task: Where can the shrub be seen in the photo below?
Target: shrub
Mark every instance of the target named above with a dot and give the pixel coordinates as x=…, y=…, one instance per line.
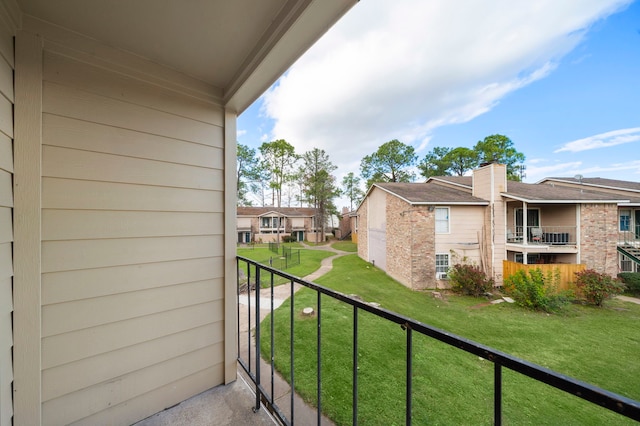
x=469, y=279
x=597, y=287
x=632, y=281
x=288, y=239
x=537, y=290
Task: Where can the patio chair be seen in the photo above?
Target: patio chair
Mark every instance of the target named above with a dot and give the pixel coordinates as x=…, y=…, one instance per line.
x=536, y=235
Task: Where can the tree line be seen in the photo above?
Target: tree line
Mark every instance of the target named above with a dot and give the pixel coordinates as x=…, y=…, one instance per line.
x=276, y=175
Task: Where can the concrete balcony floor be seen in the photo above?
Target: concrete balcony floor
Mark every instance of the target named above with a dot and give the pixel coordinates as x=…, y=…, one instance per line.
x=231, y=404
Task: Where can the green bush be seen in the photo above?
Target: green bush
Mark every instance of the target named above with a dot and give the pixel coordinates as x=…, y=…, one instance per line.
x=597, y=287
x=469, y=279
x=288, y=239
x=632, y=281
x=536, y=290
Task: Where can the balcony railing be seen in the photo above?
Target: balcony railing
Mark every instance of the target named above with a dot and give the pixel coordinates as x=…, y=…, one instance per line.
x=548, y=235
x=631, y=237
x=255, y=273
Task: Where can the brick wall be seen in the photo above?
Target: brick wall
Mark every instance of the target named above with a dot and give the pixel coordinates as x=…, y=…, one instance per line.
x=410, y=244
x=599, y=237
x=423, y=252
x=398, y=218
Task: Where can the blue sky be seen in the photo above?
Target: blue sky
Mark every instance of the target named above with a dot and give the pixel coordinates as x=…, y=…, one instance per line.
x=561, y=80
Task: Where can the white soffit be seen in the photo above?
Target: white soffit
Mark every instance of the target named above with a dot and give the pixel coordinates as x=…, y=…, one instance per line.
x=238, y=46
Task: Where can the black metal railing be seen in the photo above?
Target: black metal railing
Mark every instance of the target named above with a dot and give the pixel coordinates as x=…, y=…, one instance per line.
x=251, y=360
x=549, y=235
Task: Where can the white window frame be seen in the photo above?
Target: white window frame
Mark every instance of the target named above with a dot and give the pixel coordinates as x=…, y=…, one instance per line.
x=626, y=213
x=441, y=221
x=439, y=267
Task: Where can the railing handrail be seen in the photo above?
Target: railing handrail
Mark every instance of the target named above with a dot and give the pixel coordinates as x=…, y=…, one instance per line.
x=610, y=400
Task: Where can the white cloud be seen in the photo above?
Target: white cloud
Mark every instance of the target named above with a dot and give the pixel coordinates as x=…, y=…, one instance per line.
x=603, y=140
x=537, y=173
x=241, y=133
x=399, y=69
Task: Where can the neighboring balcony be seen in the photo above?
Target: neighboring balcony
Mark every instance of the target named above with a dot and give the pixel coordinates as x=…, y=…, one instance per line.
x=630, y=236
x=559, y=239
x=259, y=336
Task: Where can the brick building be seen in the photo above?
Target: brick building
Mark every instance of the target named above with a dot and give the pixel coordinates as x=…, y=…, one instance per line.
x=416, y=231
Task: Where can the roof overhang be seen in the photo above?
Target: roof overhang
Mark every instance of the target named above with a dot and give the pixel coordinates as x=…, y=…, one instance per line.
x=237, y=48
x=536, y=201
x=428, y=203
x=592, y=185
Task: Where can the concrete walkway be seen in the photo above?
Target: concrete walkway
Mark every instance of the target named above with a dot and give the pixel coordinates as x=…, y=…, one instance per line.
x=629, y=299
x=233, y=404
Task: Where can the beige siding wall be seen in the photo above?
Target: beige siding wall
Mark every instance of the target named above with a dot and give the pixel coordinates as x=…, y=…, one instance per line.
x=377, y=228
x=132, y=245
x=488, y=183
x=6, y=223
x=465, y=225
x=244, y=222
x=297, y=222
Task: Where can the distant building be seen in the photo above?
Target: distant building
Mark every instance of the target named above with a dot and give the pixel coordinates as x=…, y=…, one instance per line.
x=269, y=224
x=413, y=230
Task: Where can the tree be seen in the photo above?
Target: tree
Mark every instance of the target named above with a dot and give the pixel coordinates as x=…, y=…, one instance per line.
x=248, y=173
x=499, y=149
x=435, y=163
x=318, y=185
x=351, y=189
x=278, y=159
x=461, y=160
x=390, y=163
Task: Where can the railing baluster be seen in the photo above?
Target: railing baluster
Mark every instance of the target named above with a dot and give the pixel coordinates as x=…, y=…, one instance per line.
x=272, y=340
x=249, y=314
x=409, y=375
x=238, y=307
x=497, y=394
x=292, y=317
x=257, y=296
x=319, y=360
x=355, y=367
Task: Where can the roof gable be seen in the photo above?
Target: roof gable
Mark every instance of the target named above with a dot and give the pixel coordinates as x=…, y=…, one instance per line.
x=430, y=193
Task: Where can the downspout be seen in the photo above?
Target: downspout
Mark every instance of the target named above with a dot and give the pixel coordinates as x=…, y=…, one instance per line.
x=578, y=233
x=525, y=231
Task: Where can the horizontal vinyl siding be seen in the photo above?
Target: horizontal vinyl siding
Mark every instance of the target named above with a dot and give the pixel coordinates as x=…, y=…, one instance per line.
x=6, y=226
x=132, y=246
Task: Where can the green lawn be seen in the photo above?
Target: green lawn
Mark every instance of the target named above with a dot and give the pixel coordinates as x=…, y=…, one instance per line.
x=345, y=246
x=309, y=261
x=599, y=346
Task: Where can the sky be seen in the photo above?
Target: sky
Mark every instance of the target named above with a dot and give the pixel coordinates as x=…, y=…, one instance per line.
x=560, y=79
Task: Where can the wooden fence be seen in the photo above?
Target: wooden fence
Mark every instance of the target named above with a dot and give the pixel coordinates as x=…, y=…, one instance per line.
x=567, y=271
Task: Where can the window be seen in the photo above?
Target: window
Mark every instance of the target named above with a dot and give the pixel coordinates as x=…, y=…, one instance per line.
x=531, y=258
x=272, y=222
x=442, y=263
x=625, y=220
x=442, y=220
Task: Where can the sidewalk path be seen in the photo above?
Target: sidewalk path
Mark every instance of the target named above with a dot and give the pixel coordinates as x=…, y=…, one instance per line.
x=629, y=299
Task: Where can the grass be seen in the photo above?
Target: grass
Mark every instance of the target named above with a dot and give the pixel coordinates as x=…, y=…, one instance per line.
x=309, y=261
x=597, y=345
x=345, y=246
